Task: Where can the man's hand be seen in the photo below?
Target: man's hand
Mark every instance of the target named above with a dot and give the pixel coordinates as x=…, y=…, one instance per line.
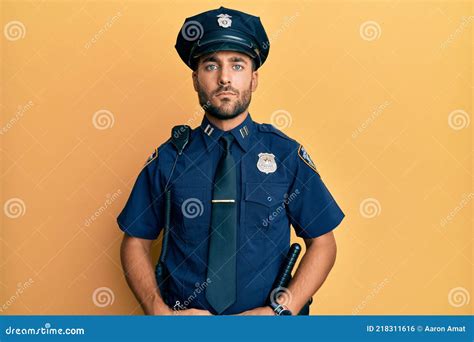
x=191, y=312
x=164, y=310
x=188, y=312
x=260, y=311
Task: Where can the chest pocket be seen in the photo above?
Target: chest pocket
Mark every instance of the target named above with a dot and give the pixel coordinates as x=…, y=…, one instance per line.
x=264, y=209
x=190, y=213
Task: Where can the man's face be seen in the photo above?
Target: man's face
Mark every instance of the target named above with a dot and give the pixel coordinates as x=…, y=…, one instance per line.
x=224, y=82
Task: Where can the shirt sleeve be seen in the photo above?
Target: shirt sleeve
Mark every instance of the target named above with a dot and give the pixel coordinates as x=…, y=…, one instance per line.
x=311, y=208
x=143, y=214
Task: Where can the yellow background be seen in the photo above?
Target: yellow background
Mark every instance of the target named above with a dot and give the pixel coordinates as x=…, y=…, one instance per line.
x=372, y=113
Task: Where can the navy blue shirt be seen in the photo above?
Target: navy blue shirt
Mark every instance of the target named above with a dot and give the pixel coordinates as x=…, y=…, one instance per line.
x=278, y=186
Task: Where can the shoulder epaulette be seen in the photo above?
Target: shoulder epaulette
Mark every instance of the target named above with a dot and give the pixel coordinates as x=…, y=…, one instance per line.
x=272, y=129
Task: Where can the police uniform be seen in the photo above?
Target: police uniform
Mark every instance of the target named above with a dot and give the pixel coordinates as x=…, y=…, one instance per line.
x=277, y=185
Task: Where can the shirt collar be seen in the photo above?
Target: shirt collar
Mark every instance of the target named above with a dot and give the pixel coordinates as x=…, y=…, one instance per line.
x=241, y=133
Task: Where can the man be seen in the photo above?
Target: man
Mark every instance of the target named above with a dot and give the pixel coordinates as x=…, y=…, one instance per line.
x=236, y=188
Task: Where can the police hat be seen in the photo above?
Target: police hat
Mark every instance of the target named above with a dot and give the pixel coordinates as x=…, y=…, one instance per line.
x=222, y=29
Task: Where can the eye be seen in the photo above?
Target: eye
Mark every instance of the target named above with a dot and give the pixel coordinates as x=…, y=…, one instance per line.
x=238, y=67
x=210, y=67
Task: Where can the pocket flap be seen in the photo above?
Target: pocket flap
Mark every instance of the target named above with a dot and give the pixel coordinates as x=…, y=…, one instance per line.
x=267, y=194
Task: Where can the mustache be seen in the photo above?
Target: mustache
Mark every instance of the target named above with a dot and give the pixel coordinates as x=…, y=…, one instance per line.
x=226, y=89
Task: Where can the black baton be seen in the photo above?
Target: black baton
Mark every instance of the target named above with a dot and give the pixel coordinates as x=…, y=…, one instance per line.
x=284, y=276
x=161, y=272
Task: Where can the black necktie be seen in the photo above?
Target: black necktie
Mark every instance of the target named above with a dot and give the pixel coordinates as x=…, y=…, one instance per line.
x=221, y=290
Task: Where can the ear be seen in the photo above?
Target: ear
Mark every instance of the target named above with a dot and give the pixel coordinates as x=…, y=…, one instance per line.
x=195, y=80
x=254, y=80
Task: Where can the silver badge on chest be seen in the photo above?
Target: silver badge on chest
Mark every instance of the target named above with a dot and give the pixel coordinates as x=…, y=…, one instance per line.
x=266, y=163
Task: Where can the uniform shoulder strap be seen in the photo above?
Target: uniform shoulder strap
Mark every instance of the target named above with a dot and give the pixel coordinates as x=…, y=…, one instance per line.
x=268, y=128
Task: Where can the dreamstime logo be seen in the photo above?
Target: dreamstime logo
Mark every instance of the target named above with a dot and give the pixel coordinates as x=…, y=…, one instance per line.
x=102, y=30
x=374, y=292
x=466, y=21
x=18, y=115
x=102, y=297
x=458, y=119
x=192, y=30
x=103, y=119
x=110, y=198
x=370, y=30
x=14, y=30
x=458, y=297
x=370, y=120
x=462, y=204
x=281, y=296
x=14, y=208
x=192, y=207
x=281, y=207
x=369, y=208
x=199, y=288
x=197, y=115
x=281, y=119
x=47, y=329
x=288, y=21
x=21, y=287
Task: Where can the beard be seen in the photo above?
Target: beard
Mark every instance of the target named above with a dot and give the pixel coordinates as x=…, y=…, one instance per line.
x=227, y=110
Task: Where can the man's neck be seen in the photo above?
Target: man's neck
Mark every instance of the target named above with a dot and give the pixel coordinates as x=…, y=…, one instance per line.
x=227, y=125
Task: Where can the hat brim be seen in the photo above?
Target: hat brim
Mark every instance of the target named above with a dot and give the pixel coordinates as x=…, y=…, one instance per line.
x=216, y=45
x=222, y=46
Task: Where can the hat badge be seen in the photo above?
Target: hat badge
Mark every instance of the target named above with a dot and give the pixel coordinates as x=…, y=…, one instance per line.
x=224, y=20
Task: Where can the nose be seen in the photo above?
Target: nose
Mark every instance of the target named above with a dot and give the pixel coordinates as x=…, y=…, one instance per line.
x=224, y=77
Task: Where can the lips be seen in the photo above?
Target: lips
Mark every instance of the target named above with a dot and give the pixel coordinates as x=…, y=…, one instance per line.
x=225, y=93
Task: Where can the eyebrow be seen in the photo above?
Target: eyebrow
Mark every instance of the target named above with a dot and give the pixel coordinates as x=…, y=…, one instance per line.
x=212, y=58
